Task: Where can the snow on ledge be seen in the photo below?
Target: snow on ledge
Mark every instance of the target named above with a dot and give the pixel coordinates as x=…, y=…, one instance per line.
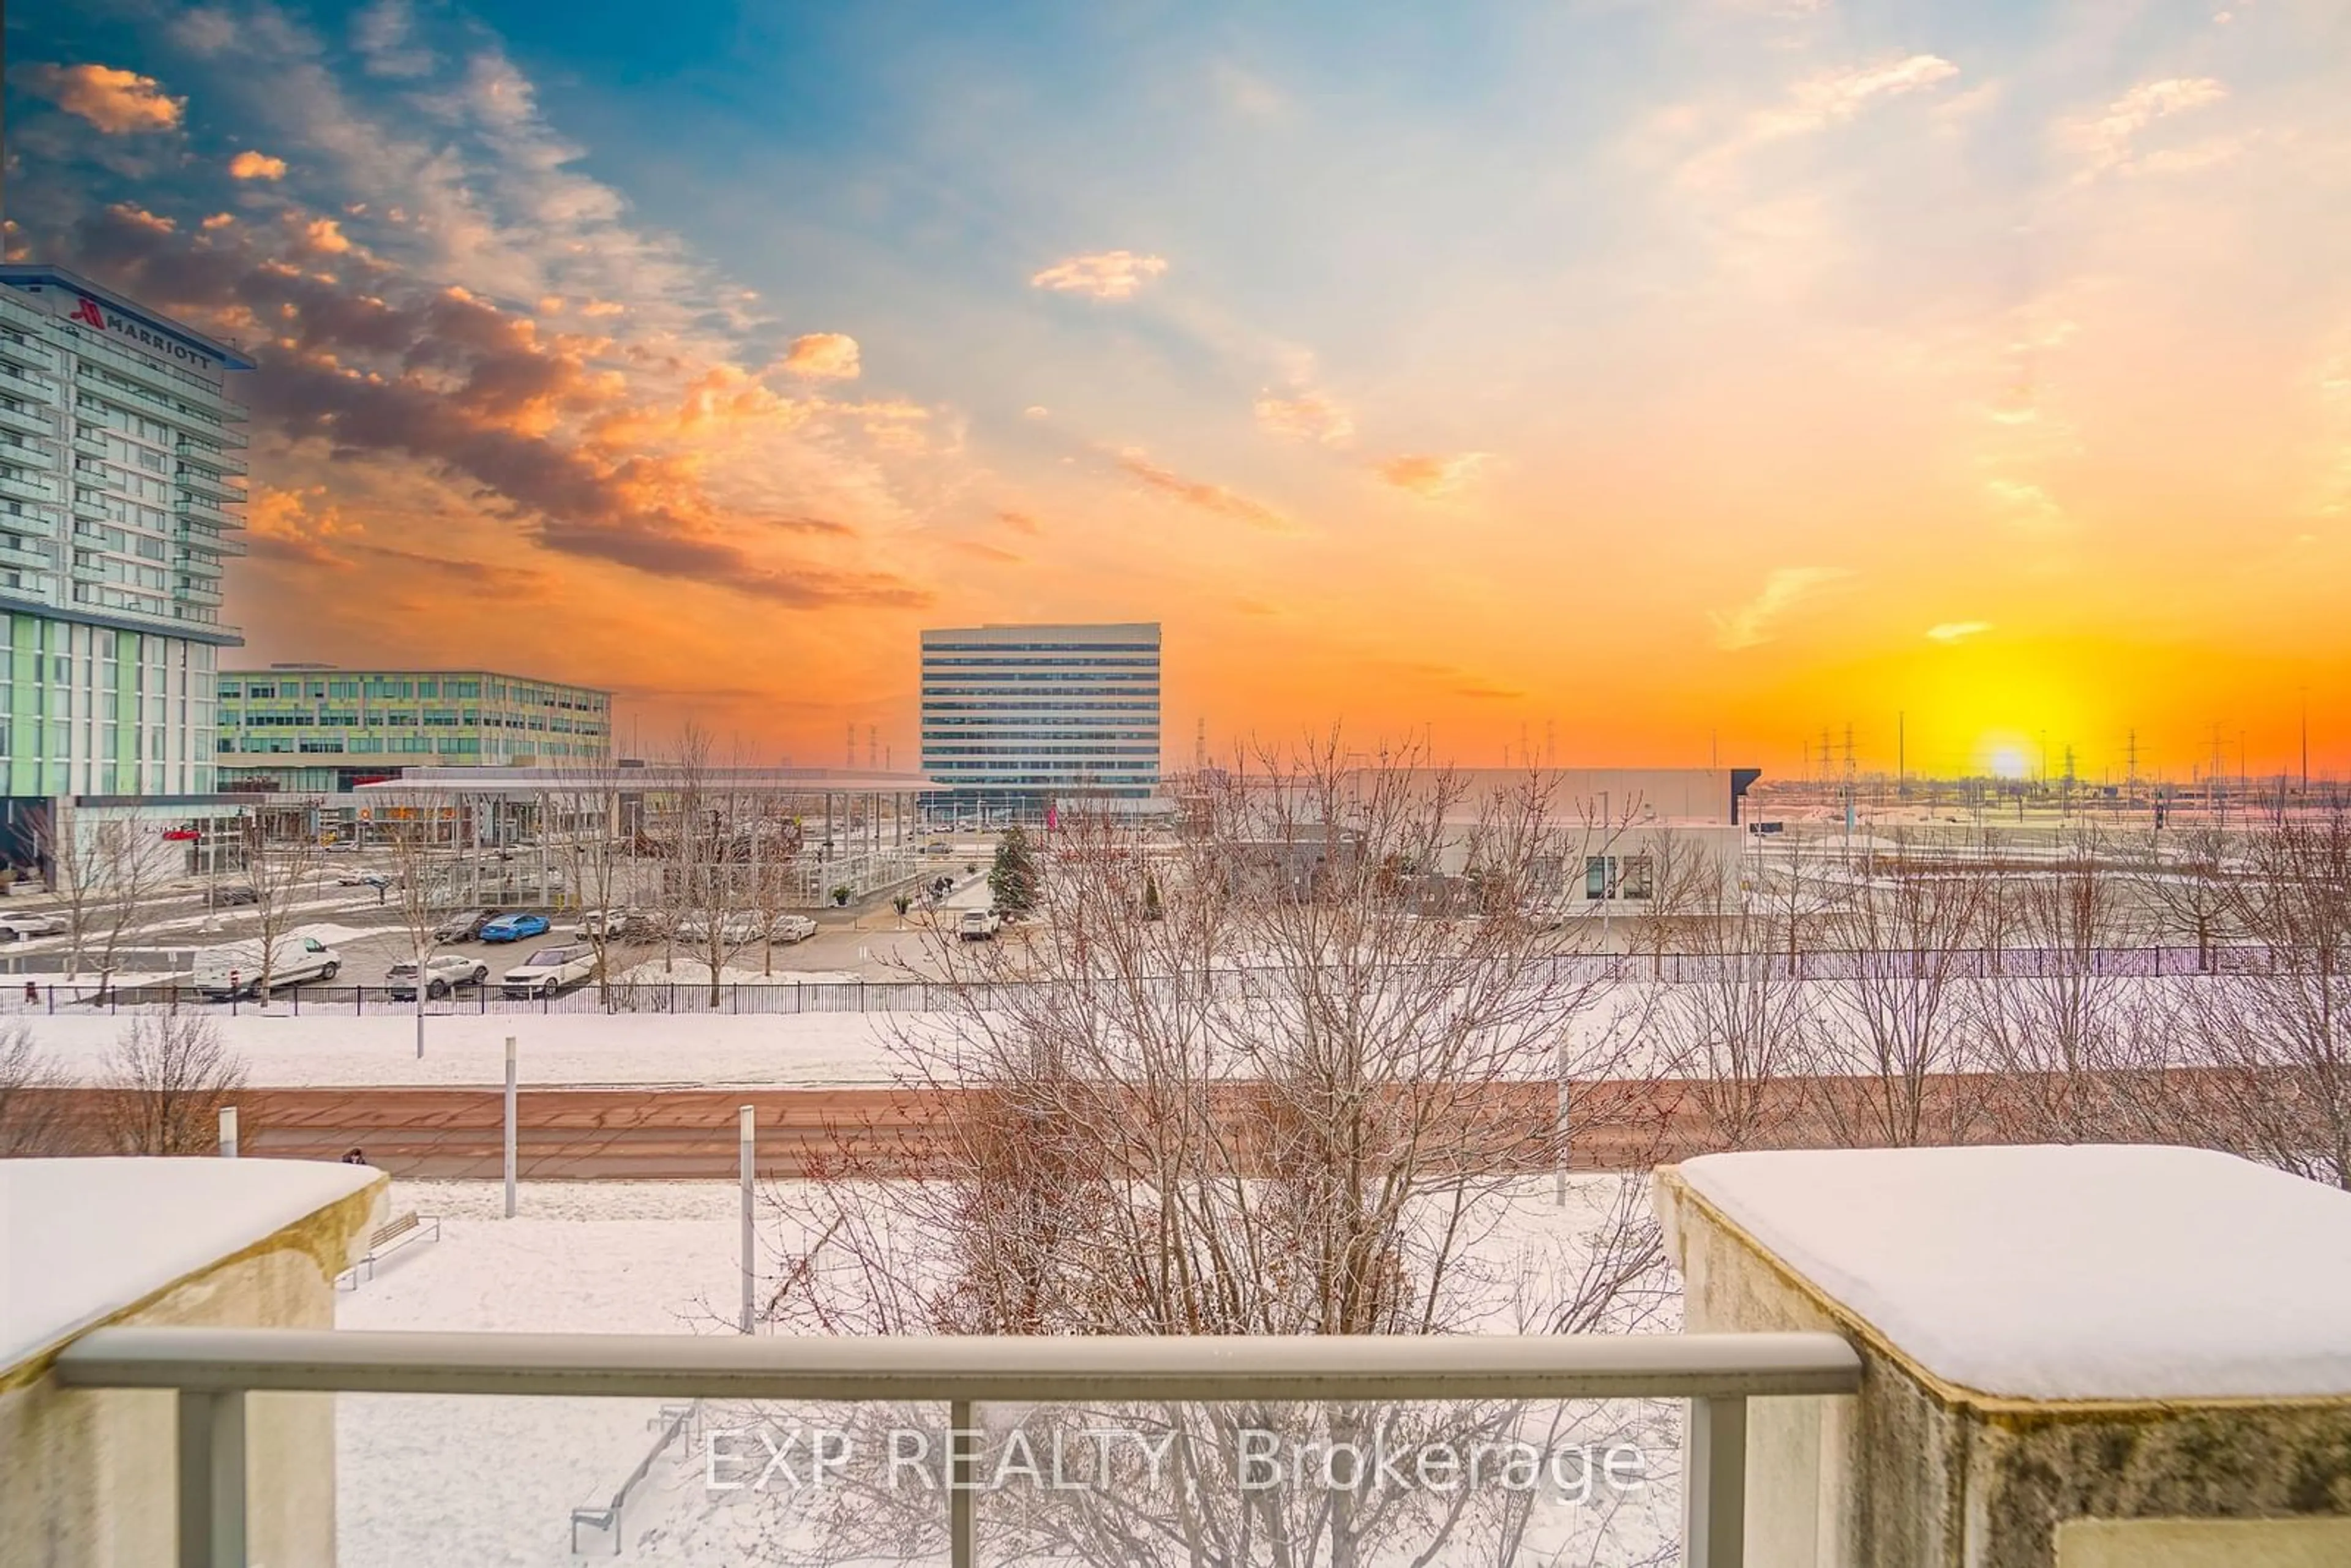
x=81, y=1239
x=2056, y=1273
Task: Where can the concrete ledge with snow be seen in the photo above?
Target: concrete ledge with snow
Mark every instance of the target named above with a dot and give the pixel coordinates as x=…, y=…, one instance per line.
x=86, y=1474
x=2075, y=1357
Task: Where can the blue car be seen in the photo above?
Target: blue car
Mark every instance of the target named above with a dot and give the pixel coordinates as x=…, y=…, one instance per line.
x=514, y=927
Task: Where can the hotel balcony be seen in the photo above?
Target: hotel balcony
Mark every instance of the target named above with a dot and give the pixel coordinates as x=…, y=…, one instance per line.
x=43, y=491
x=189, y=406
x=195, y=537
x=189, y=506
x=212, y=486
x=28, y=424
x=33, y=356
x=212, y=458
x=29, y=456
x=17, y=382
x=29, y=554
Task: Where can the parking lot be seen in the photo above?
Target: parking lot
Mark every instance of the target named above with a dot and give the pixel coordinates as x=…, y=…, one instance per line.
x=868, y=941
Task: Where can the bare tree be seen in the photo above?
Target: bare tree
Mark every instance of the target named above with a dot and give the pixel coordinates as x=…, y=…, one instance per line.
x=1890, y=1041
x=1301, y=1100
x=281, y=867
x=107, y=871
x=411, y=831
x=2077, y=1052
x=29, y=1088
x=598, y=854
x=2185, y=874
x=2276, y=1036
x=1682, y=883
x=729, y=847
x=165, y=1082
x=1739, y=1024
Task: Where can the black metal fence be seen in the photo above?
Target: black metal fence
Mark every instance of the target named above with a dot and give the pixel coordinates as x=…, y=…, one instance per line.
x=787, y=996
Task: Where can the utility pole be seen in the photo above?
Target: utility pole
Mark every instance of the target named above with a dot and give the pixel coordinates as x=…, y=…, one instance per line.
x=1902, y=755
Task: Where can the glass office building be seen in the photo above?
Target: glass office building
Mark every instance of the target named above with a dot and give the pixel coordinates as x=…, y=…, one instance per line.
x=1017, y=717
x=318, y=729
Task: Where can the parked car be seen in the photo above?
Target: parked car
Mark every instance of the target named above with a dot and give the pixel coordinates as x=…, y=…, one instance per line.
x=514, y=927
x=465, y=925
x=979, y=925
x=734, y=930
x=230, y=892
x=367, y=879
x=444, y=973
x=33, y=922
x=235, y=970
x=549, y=971
x=616, y=925
x=791, y=928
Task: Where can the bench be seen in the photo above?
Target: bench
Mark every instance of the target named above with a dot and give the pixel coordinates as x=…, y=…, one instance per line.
x=387, y=1238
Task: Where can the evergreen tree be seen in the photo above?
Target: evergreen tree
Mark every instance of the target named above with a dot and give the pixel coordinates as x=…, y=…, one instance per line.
x=1013, y=879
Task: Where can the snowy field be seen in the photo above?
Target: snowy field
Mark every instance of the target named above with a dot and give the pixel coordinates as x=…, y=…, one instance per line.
x=491, y=1483
x=283, y=1051
x=1620, y=1035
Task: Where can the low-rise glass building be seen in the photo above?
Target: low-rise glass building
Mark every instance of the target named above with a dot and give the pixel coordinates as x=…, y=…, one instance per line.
x=318, y=729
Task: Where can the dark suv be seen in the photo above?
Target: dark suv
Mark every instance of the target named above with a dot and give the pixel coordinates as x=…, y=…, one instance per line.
x=464, y=926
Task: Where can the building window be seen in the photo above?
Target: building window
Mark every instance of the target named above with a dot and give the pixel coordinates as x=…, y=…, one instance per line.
x=1634, y=880
x=1596, y=876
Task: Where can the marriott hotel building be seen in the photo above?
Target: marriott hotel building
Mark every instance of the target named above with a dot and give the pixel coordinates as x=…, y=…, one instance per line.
x=1017, y=717
x=121, y=496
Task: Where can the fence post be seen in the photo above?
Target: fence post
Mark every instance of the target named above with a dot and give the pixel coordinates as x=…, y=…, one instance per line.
x=510, y=1127
x=212, y=1477
x=1714, y=1485
x=962, y=1536
x=747, y=1133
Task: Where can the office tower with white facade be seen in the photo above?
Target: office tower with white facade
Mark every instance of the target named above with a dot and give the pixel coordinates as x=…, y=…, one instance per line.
x=1015, y=718
x=121, y=492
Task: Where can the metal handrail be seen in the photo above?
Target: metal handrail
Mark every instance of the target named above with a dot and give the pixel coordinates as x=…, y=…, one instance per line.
x=984, y=1369
x=214, y=1368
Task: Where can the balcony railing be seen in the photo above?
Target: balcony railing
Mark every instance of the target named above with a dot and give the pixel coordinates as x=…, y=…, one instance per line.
x=211, y=457
x=190, y=505
x=28, y=489
x=213, y=486
x=33, y=354
x=212, y=1370
x=26, y=422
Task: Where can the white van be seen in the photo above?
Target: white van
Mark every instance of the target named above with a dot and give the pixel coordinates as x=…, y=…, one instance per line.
x=235, y=970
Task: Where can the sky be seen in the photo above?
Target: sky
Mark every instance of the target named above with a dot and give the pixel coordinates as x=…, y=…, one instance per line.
x=1620, y=382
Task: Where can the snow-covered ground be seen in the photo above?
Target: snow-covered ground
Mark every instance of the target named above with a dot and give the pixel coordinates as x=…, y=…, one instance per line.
x=491, y=1483
x=281, y=1051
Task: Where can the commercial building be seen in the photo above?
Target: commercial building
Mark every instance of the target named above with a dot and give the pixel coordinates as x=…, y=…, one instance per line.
x=122, y=493
x=318, y=729
x=1016, y=718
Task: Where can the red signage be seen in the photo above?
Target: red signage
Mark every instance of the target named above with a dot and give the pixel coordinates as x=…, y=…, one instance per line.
x=182, y=834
